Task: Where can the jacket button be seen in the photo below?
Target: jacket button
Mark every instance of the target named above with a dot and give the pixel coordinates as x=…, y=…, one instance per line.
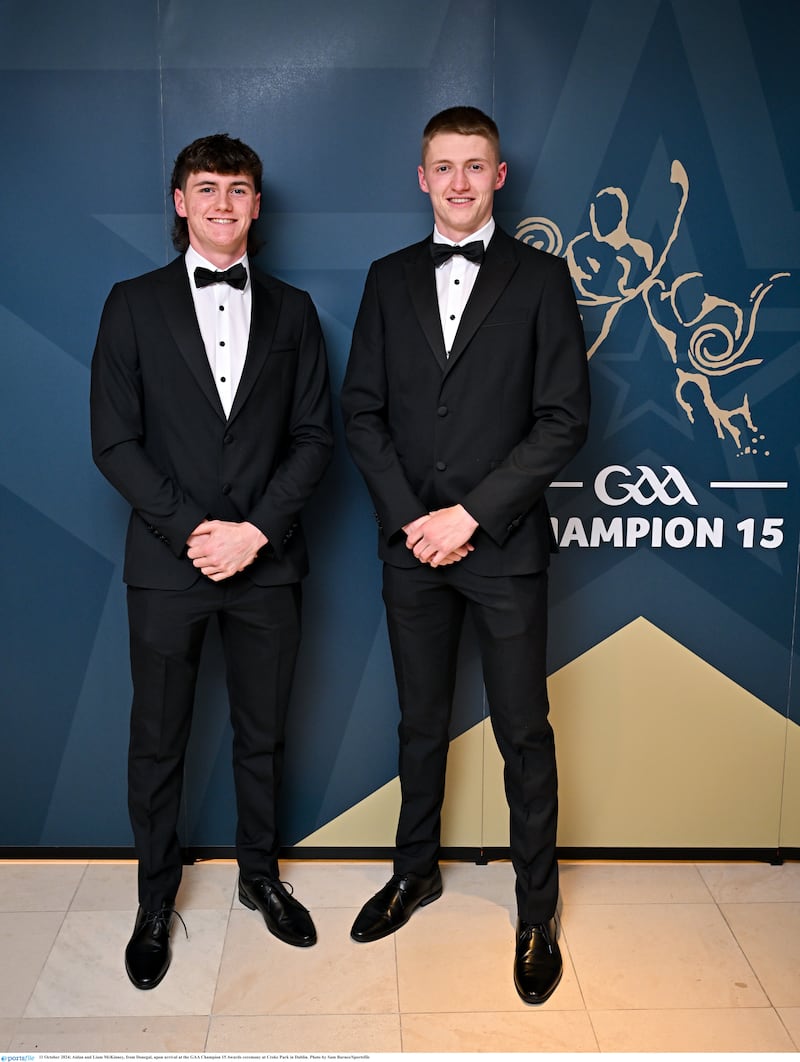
x=442, y=411
x=227, y=438
x=441, y=466
x=226, y=488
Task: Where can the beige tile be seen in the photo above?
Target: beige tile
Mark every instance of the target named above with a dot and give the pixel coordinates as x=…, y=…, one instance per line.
x=534, y=1030
x=323, y=1033
x=25, y=943
x=658, y=956
x=790, y=1016
x=320, y=883
x=7, y=1028
x=107, y=886
x=85, y=973
x=450, y=962
x=208, y=886
x=39, y=886
x=752, y=1029
x=262, y=975
x=769, y=934
x=593, y=883
x=118, y=1035
x=473, y=886
x=752, y=882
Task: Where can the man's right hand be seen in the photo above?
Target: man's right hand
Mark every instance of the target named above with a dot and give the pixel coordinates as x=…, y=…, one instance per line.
x=414, y=533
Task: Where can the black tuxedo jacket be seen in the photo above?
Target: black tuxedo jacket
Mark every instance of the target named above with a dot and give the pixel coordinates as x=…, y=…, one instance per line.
x=160, y=436
x=490, y=426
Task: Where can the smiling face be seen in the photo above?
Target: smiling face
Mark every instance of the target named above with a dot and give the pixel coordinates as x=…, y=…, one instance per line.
x=219, y=210
x=461, y=174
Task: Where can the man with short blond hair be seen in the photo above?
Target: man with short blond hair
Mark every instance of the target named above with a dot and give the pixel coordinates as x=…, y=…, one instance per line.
x=466, y=392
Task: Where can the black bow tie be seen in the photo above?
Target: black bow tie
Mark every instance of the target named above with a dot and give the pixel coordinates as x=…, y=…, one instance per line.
x=443, y=252
x=236, y=276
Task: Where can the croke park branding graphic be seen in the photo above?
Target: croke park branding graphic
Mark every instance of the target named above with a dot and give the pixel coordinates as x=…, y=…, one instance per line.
x=616, y=486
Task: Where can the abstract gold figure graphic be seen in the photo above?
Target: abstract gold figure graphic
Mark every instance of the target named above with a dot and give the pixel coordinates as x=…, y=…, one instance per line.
x=705, y=336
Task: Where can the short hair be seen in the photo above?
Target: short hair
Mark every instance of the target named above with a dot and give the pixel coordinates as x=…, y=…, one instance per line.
x=467, y=121
x=218, y=153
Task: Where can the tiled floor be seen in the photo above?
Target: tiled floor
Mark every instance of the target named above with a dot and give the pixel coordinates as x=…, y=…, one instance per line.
x=658, y=957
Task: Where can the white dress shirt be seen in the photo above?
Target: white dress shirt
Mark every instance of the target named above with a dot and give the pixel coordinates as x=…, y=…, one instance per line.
x=455, y=280
x=223, y=314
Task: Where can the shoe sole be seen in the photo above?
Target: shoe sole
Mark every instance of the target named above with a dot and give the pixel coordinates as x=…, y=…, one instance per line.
x=422, y=903
x=247, y=902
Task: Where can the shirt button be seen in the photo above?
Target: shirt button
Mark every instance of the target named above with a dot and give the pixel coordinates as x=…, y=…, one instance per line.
x=222, y=309
x=452, y=317
x=442, y=411
x=222, y=342
x=441, y=466
x=456, y=281
x=222, y=379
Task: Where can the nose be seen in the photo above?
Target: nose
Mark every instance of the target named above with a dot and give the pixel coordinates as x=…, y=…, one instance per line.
x=460, y=179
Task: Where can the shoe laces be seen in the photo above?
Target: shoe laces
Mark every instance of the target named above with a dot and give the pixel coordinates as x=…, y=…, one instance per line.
x=163, y=917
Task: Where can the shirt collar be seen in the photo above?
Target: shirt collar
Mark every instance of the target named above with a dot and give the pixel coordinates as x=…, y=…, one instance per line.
x=193, y=260
x=485, y=234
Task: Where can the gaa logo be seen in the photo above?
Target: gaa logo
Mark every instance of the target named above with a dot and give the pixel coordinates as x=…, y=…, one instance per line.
x=616, y=485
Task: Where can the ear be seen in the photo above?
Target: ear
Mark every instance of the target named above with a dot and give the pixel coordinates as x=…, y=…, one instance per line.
x=257, y=206
x=502, y=171
x=180, y=203
x=421, y=178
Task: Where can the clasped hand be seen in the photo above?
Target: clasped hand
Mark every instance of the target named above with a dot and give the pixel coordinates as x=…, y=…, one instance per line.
x=220, y=548
x=441, y=537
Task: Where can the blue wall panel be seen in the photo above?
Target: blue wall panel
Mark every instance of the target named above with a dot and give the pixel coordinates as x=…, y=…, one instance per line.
x=590, y=97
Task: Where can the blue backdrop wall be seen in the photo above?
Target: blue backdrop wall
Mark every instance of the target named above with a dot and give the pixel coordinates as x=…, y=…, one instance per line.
x=651, y=142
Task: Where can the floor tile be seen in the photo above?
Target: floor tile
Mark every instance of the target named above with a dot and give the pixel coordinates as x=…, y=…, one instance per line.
x=321, y=884
x=471, y=885
x=751, y=1029
x=262, y=975
x=118, y=1035
x=107, y=886
x=658, y=956
x=323, y=1033
x=752, y=882
x=594, y=883
x=85, y=973
x=39, y=886
x=25, y=943
x=769, y=935
x=208, y=886
x=7, y=1028
x=790, y=1016
x=450, y=962
x=534, y=1031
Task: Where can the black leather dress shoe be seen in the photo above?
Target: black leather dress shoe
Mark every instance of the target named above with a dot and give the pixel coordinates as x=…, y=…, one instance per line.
x=537, y=965
x=148, y=954
x=394, y=904
x=286, y=919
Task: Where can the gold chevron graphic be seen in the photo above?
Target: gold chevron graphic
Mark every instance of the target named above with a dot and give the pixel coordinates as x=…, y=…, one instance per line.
x=656, y=748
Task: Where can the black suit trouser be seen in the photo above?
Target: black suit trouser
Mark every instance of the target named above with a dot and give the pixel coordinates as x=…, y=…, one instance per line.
x=260, y=632
x=425, y=609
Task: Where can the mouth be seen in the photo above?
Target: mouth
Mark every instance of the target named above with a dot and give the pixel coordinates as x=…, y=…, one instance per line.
x=222, y=221
x=459, y=200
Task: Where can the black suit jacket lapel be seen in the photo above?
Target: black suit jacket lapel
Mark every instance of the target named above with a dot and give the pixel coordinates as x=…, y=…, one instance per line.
x=177, y=304
x=263, y=321
x=499, y=265
x=421, y=280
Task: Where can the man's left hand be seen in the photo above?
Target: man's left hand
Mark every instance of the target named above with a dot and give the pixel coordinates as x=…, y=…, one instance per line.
x=444, y=533
x=220, y=548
